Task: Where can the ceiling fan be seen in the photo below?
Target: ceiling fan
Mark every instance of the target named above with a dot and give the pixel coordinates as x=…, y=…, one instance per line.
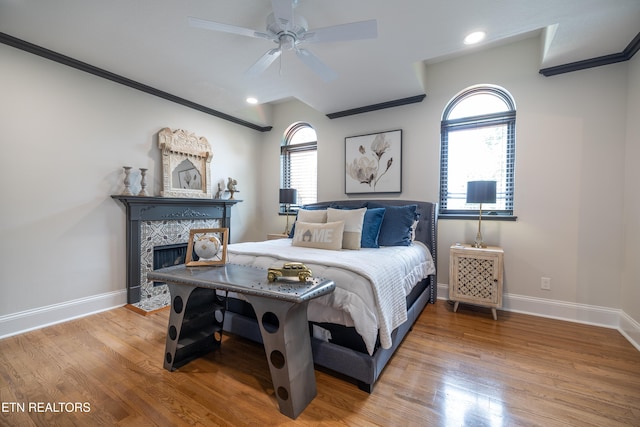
x=289, y=32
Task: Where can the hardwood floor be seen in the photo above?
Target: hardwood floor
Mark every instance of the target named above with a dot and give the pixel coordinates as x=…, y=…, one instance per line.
x=454, y=369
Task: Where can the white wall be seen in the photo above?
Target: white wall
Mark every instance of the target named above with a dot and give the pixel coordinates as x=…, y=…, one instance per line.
x=570, y=160
x=569, y=170
x=65, y=137
x=631, y=275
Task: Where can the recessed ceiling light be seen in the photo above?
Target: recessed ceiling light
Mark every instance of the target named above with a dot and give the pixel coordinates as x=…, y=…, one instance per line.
x=475, y=37
x=252, y=100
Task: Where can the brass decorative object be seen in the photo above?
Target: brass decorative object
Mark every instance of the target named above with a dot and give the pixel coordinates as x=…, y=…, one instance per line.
x=290, y=269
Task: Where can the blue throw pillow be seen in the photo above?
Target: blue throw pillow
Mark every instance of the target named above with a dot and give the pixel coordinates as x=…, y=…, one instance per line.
x=371, y=227
x=396, y=225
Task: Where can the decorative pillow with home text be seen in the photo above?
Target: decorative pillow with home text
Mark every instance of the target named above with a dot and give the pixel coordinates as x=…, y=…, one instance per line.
x=317, y=235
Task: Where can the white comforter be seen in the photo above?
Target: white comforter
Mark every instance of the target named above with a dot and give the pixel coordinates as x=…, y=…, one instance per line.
x=371, y=284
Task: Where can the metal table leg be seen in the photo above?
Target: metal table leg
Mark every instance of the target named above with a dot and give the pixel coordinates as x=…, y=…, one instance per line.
x=195, y=324
x=287, y=345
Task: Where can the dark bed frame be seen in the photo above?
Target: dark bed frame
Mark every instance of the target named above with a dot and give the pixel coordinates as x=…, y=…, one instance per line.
x=351, y=360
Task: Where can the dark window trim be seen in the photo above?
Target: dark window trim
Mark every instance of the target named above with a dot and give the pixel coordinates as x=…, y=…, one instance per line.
x=305, y=146
x=492, y=90
x=475, y=217
x=479, y=121
x=285, y=150
x=507, y=117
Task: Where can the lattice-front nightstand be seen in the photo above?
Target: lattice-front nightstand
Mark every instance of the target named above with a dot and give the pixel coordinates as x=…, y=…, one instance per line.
x=475, y=276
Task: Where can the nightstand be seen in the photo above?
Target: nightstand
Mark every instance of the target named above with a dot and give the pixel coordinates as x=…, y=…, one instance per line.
x=475, y=276
x=275, y=236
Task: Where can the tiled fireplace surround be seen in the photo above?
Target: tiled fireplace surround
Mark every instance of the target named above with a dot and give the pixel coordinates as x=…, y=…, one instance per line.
x=153, y=222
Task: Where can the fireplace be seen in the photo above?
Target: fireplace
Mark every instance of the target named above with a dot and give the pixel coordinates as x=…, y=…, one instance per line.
x=161, y=224
x=168, y=255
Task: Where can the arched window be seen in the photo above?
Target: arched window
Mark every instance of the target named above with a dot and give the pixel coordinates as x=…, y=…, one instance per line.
x=299, y=163
x=478, y=142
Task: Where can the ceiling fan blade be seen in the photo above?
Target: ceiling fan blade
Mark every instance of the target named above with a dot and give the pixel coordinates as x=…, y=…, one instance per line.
x=343, y=32
x=264, y=62
x=283, y=13
x=312, y=61
x=227, y=28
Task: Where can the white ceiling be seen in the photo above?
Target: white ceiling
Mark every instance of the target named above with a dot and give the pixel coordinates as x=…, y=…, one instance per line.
x=150, y=41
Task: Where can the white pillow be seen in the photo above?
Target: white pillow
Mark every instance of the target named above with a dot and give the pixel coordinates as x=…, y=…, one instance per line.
x=319, y=235
x=353, y=220
x=310, y=215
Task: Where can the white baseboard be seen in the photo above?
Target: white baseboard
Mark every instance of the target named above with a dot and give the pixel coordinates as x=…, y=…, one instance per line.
x=630, y=329
x=571, y=312
x=24, y=321
x=28, y=320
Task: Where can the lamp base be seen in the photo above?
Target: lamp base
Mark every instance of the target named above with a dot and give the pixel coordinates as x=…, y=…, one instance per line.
x=286, y=229
x=478, y=243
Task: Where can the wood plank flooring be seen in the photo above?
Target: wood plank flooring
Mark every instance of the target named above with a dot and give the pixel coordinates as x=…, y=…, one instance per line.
x=453, y=369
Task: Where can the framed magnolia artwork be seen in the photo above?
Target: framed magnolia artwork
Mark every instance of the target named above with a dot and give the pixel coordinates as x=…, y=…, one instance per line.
x=374, y=163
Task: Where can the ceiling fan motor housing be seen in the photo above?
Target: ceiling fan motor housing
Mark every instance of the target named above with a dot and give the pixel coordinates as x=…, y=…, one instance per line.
x=287, y=37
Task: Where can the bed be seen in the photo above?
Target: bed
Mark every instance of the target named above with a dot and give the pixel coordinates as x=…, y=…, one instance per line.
x=384, y=274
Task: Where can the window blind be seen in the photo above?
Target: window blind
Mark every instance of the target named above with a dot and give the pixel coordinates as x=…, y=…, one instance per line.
x=479, y=147
x=299, y=167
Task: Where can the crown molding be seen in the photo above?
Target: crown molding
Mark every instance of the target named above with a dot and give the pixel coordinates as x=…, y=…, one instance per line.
x=88, y=68
x=380, y=106
x=599, y=61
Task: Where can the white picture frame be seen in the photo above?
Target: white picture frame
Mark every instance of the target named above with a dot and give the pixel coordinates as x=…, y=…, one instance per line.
x=373, y=163
x=186, y=164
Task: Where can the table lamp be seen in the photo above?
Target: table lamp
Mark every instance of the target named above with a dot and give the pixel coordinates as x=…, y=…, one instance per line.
x=288, y=196
x=480, y=192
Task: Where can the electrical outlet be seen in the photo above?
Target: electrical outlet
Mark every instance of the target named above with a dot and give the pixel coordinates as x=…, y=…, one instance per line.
x=545, y=283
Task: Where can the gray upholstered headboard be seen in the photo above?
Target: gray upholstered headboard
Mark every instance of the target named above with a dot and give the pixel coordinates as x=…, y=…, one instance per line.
x=426, y=230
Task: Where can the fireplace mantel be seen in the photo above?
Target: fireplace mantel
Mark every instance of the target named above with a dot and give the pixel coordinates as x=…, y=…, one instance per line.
x=141, y=209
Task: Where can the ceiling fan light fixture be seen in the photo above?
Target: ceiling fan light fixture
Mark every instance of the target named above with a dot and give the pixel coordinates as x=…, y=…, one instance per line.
x=475, y=37
x=287, y=41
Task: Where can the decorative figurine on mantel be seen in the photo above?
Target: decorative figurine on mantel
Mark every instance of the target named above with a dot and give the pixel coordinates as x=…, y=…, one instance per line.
x=218, y=194
x=127, y=181
x=143, y=182
x=232, y=187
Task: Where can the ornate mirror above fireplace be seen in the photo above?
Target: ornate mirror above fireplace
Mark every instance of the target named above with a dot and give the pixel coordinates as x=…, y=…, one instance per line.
x=186, y=161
